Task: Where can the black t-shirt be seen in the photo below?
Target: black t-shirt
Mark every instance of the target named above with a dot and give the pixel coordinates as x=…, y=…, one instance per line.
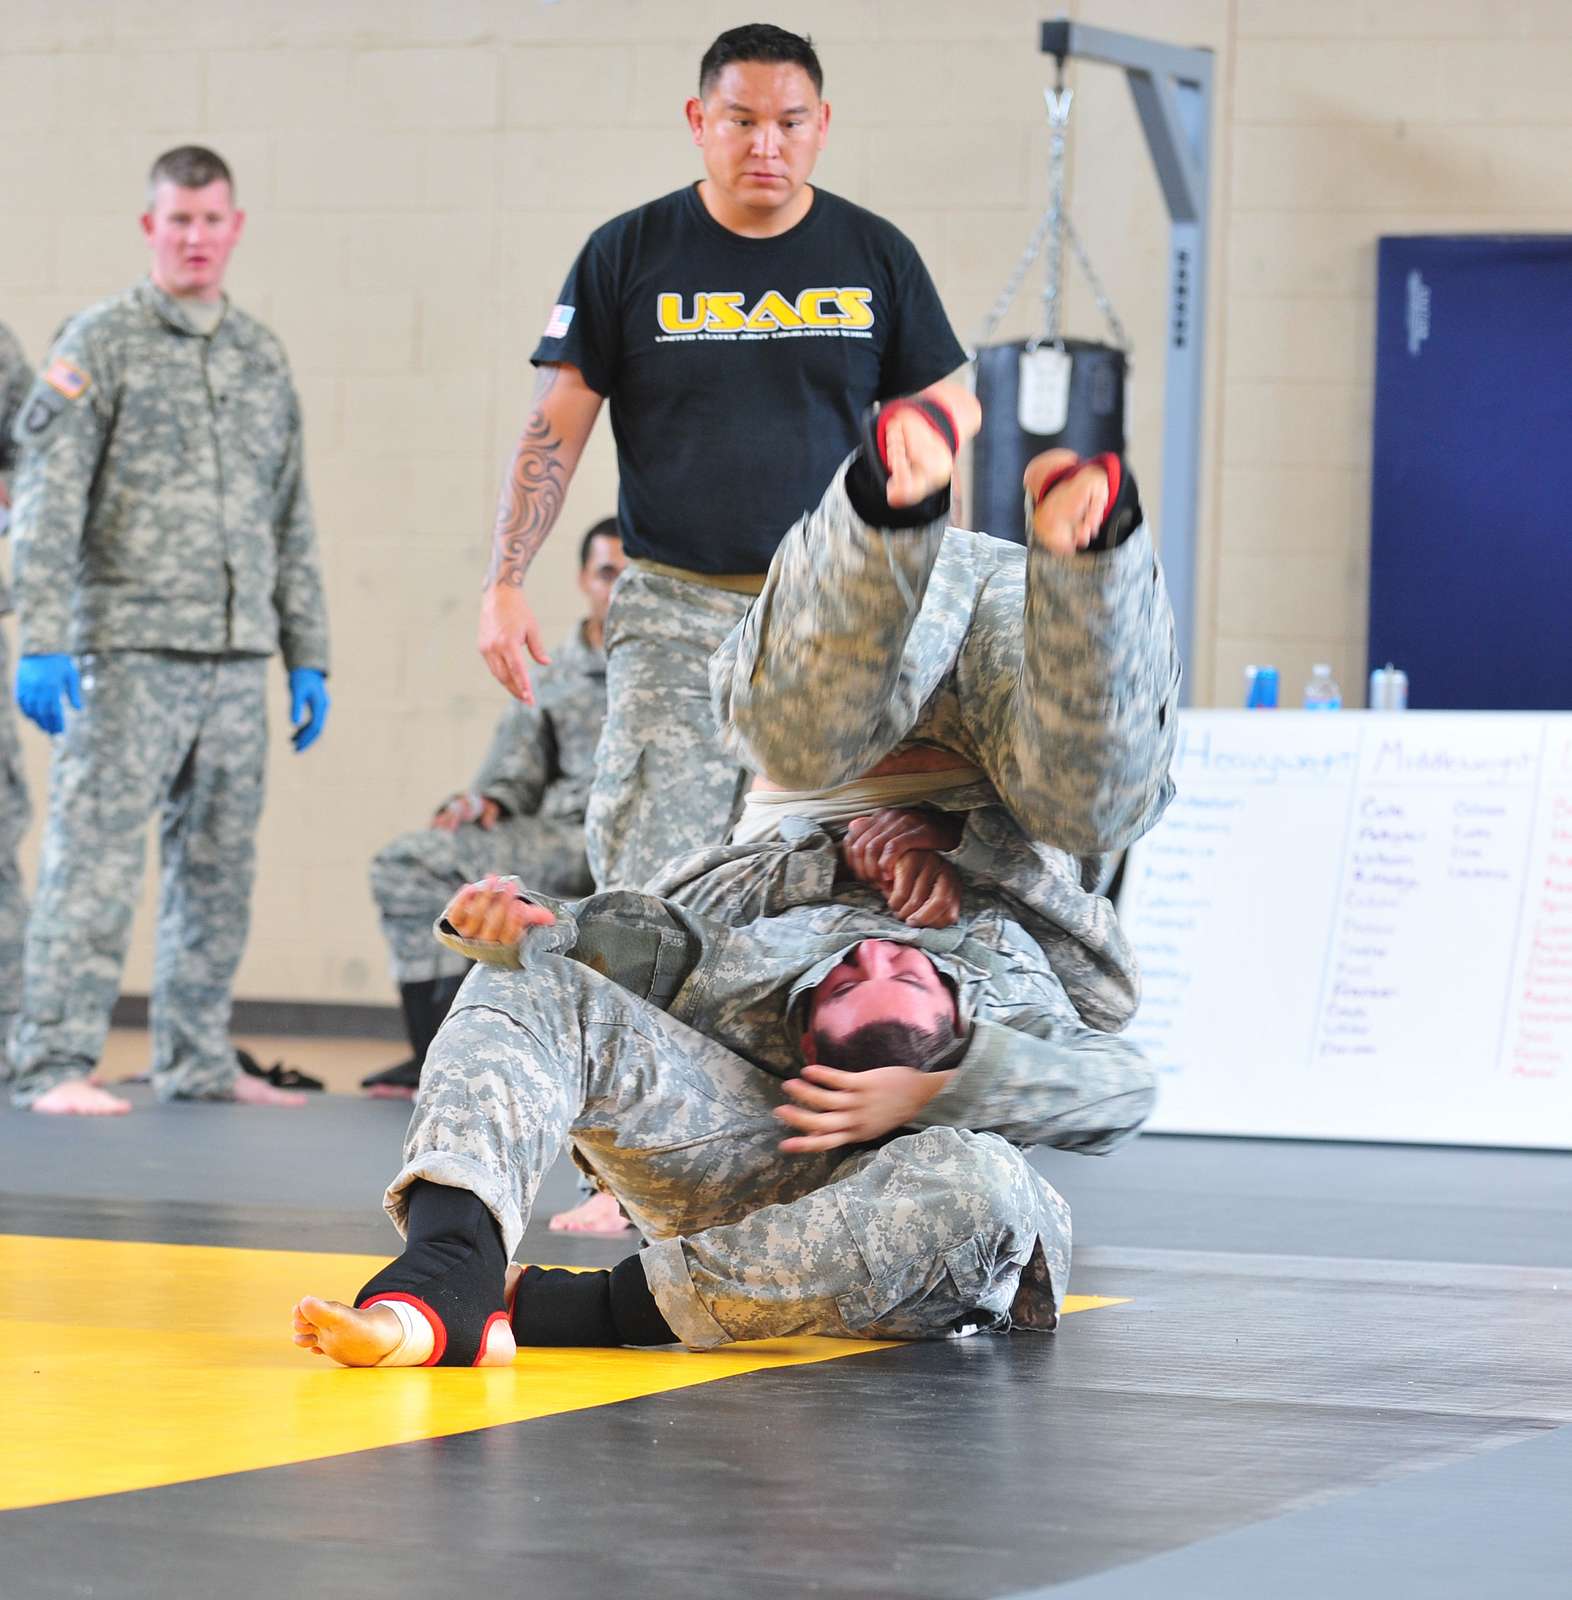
x=737, y=368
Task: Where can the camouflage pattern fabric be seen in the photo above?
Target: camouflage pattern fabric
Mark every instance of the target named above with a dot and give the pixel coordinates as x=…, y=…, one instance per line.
x=1056, y=676
x=539, y=768
x=655, y=1040
x=15, y=378
x=15, y=813
x=160, y=496
x=663, y=785
x=15, y=807
x=186, y=736
x=1043, y=891
x=163, y=535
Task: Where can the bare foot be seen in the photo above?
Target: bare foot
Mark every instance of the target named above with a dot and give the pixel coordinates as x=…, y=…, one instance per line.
x=353, y=1338
x=1068, y=517
x=249, y=1091
x=599, y=1214
x=77, y=1097
x=389, y=1091
x=362, y=1338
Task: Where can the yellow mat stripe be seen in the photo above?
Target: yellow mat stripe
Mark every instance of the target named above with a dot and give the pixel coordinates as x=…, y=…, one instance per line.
x=126, y=1366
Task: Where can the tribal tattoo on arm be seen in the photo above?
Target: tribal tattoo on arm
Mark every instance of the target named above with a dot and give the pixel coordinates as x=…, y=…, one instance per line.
x=532, y=495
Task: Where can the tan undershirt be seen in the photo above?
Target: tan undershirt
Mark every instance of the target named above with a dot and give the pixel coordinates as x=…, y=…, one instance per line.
x=905, y=777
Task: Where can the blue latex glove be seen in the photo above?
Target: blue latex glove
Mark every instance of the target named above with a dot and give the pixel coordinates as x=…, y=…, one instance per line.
x=308, y=705
x=40, y=682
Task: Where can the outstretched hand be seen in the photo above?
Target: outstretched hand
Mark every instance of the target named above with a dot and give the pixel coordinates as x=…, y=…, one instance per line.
x=494, y=912
x=833, y=1108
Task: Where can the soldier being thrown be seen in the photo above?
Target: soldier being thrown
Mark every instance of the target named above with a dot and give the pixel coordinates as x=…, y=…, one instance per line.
x=1049, y=671
x=670, y=1048
x=164, y=551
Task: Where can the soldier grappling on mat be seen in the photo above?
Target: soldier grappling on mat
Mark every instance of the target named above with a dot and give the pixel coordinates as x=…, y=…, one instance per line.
x=913, y=1062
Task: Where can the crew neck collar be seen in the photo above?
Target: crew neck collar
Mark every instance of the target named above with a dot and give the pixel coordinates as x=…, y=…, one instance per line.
x=747, y=240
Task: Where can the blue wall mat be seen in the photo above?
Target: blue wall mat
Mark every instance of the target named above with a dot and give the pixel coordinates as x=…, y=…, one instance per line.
x=1471, y=484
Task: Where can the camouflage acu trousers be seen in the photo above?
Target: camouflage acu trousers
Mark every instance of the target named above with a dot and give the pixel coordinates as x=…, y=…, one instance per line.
x=185, y=736
x=910, y=1240
x=663, y=785
x=1057, y=676
x=414, y=877
x=15, y=813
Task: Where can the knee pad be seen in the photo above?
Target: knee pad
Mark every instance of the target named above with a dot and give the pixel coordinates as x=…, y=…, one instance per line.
x=451, y=1271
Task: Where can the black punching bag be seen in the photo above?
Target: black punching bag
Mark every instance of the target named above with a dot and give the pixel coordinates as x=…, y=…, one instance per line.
x=1093, y=423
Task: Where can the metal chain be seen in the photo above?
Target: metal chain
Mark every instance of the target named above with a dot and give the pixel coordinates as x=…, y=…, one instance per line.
x=1055, y=220
x=1002, y=304
x=1120, y=337
x=1058, y=102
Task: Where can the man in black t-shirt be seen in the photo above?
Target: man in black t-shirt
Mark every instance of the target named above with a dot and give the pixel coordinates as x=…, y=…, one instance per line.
x=739, y=328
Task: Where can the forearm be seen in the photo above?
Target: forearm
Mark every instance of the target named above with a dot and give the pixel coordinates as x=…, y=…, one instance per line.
x=537, y=480
x=49, y=506
x=1078, y=932
x=738, y=884
x=1066, y=1086
x=517, y=766
x=298, y=595
x=635, y=940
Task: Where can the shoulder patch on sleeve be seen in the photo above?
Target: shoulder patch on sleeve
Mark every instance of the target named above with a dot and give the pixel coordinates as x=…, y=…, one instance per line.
x=45, y=407
x=66, y=378
x=558, y=323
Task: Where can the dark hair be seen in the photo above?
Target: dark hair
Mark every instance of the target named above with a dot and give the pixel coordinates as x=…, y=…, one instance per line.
x=759, y=41
x=884, y=1044
x=189, y=166
x=606, y=528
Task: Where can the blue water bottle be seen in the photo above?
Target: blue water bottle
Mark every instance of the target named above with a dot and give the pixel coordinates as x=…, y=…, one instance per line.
x=1260, y=688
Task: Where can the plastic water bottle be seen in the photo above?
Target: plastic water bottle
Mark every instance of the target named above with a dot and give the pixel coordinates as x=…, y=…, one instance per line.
x=1322, y=692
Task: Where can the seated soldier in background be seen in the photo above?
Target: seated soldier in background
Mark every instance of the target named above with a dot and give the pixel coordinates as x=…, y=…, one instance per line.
x=909, y=1062
x=524, y=814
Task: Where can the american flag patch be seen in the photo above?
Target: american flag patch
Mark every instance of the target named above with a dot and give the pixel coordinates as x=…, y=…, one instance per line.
x=557, y=323
x=66, y=379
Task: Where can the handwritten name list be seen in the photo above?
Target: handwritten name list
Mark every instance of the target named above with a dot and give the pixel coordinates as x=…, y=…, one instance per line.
x=1359, y=926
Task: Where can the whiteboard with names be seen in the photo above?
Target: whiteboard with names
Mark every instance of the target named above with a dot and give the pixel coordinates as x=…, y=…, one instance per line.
x=1357, y=925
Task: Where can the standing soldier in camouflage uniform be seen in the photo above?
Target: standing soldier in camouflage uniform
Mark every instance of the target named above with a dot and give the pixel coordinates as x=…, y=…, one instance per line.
x=737, y=327
x=524, y=815
x=164, y=539
x=15, y=376
x=1050, y=670
x=670, y=1049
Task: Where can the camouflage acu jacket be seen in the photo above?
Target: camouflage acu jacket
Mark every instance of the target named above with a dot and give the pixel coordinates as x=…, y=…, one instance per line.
x=15, y=376
x=160, y=498
x=542, y=757
x=1031, y=1071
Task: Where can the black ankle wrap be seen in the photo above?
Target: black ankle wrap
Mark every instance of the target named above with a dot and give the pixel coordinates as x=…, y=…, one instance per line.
x=867, y=476
x=452, y=1269
x=588, y=1308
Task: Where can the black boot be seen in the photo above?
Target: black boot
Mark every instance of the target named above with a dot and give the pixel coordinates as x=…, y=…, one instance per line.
x=425, y=1005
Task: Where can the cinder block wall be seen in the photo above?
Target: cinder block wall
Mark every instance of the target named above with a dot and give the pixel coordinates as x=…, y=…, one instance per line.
x=418, y=176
